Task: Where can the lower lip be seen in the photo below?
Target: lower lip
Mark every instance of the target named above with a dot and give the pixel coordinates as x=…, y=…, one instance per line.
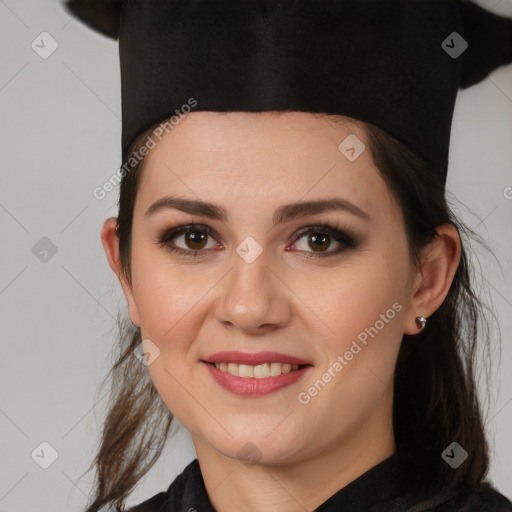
x=251, y=386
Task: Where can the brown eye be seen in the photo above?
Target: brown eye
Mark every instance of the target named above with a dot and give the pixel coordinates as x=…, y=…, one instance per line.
x=194, y=240
x=319, y=242
x=320, y=237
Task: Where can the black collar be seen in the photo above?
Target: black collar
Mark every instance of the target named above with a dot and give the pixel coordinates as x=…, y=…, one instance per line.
x=375, y=486
x=376, y=490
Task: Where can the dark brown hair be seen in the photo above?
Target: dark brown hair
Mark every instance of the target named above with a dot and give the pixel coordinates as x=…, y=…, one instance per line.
x=435, y=386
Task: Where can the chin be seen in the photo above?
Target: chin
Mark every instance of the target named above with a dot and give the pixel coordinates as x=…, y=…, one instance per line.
x=257, y=449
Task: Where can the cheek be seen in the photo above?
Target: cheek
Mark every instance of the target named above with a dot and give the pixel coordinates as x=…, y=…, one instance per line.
x=168, y=310
x=173, y=386
x=365, y=314
x=362, y=294
x=364, y=308
x=165, y=294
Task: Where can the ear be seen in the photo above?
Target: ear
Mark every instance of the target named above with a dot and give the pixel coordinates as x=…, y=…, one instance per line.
x=440, y=261
x=110, y=241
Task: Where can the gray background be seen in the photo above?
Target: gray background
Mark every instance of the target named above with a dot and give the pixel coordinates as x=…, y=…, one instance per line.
x=60, y=134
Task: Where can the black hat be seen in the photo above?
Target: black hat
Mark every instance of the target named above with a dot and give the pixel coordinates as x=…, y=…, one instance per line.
x=397, y=64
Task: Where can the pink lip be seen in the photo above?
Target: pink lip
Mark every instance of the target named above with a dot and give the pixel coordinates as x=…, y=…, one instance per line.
x=251, y=386
x=253, y=359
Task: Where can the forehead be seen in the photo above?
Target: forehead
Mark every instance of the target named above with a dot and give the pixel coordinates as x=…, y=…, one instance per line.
x=275, y=156
x=242, y=134
x=275, y=128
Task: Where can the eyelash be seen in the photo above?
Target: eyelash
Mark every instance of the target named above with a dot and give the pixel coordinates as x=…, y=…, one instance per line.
x=320, y=228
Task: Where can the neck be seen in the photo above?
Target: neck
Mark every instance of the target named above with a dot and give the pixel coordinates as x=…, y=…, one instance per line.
x=299, y=484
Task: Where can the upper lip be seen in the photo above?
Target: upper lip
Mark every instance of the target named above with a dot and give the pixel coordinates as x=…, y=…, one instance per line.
x=254, y=358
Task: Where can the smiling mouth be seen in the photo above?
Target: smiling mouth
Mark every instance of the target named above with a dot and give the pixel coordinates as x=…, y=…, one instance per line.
x=259, y=371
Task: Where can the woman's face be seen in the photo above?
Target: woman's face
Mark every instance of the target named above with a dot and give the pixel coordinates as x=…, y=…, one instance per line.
x=252, y=287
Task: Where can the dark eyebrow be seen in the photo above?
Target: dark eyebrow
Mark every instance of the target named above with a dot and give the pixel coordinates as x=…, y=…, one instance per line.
x=282, y=214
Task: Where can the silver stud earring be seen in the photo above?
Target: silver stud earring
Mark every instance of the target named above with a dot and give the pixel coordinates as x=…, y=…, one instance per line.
x=421, y=321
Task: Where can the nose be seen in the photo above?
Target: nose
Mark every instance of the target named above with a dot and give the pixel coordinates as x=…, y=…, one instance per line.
x=253, y=297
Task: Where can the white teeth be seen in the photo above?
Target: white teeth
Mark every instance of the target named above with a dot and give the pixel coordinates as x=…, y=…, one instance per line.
x=259, y=371
x=245, y=371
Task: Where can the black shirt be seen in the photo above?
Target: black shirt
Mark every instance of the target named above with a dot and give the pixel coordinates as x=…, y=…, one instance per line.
x=373, y=491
